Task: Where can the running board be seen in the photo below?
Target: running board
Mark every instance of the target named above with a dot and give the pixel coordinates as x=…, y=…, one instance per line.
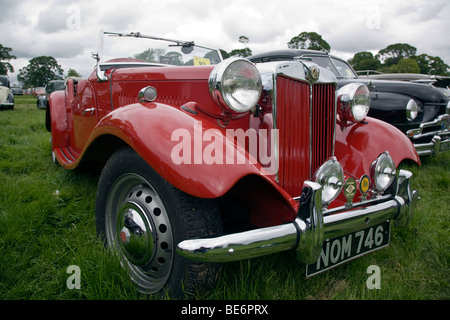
x=66, y=156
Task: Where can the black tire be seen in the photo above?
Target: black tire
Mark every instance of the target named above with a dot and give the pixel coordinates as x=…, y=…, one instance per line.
x=142, y=217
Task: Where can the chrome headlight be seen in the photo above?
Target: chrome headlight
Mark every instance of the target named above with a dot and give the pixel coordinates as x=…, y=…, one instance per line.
x=412, y=110
x=331, y=177
x=382, y=172
x=235, y=84
x=353, y=102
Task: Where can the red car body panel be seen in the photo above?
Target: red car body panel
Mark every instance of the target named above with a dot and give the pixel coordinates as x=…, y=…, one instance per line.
x=81, y=120
x=359, y=144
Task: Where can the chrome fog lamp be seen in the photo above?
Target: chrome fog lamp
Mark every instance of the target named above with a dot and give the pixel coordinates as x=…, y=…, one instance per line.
x=331, y=177
x=235, y=84
x=353, y=101
x=412, y=110
x=382, y=172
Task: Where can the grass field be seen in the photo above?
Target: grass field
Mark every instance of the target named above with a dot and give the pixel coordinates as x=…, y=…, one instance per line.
x=47, y=224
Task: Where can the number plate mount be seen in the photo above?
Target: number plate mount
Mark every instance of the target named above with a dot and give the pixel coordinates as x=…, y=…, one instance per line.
x=344, y=248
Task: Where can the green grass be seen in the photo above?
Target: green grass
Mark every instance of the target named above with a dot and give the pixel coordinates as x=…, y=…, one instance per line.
x=47, y=224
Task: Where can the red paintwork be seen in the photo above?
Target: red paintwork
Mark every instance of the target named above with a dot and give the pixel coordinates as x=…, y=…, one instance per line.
x=148, y=128
x=360, y=144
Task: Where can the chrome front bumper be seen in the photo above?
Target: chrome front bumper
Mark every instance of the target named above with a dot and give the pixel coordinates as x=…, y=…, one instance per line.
x=6, y=105
x=308, y=231
x=440, y=139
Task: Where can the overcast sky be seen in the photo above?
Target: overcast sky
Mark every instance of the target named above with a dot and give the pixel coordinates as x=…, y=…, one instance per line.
x=68, y=30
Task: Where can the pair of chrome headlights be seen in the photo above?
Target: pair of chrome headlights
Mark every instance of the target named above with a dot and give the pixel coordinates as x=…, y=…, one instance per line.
x=331, y=177
x=236, y=85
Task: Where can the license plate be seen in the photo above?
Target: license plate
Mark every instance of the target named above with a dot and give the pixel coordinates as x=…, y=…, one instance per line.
x=341, y=249
x=445, y=146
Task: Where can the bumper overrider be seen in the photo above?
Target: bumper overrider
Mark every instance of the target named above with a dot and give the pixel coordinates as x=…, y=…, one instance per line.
x=440, y=138
x=312, y=226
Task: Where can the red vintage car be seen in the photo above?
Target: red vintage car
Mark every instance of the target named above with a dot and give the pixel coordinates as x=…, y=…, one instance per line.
x=208, y=160
x=38, y=91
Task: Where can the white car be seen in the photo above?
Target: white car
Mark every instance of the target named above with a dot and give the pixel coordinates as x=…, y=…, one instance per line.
x=6, y=96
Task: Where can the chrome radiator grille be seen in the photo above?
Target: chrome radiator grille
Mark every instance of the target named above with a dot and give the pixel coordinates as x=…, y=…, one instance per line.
x=305, y=119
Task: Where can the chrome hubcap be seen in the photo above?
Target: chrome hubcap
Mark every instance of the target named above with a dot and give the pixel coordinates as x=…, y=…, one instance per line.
x=138, y=226
x=135, y=234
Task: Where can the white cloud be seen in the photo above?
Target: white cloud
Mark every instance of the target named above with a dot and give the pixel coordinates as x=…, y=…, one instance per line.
x=56, y=28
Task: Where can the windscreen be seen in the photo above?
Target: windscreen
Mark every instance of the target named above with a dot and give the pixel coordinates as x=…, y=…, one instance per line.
x=158, y=51
x=338, y=67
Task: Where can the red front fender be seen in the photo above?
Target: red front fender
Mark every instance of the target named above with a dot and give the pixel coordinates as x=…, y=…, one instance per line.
x=359, y=145
x=157, y=133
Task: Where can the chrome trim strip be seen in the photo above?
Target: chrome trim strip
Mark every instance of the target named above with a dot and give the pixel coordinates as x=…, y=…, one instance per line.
x=274, y=123
x=310, y=128
x=108, y=65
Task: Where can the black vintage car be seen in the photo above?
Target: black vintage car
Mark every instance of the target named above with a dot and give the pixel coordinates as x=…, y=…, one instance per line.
x=421, y=111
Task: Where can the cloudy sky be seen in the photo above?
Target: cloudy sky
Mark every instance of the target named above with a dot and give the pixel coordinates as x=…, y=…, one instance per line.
x=68, y=29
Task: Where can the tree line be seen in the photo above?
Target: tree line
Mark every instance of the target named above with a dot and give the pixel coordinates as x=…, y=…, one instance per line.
x=39, y=71
x=395, y=58
x=399, y=58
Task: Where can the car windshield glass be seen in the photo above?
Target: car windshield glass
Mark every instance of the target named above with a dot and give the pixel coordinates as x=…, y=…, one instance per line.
x=338, y=67
x=157, y=50
x=55, y=85
x=344, y=69
x=324, y=62
x=3, y=81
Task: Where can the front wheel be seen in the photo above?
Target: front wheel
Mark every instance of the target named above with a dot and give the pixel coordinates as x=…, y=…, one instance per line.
x=142, y=218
